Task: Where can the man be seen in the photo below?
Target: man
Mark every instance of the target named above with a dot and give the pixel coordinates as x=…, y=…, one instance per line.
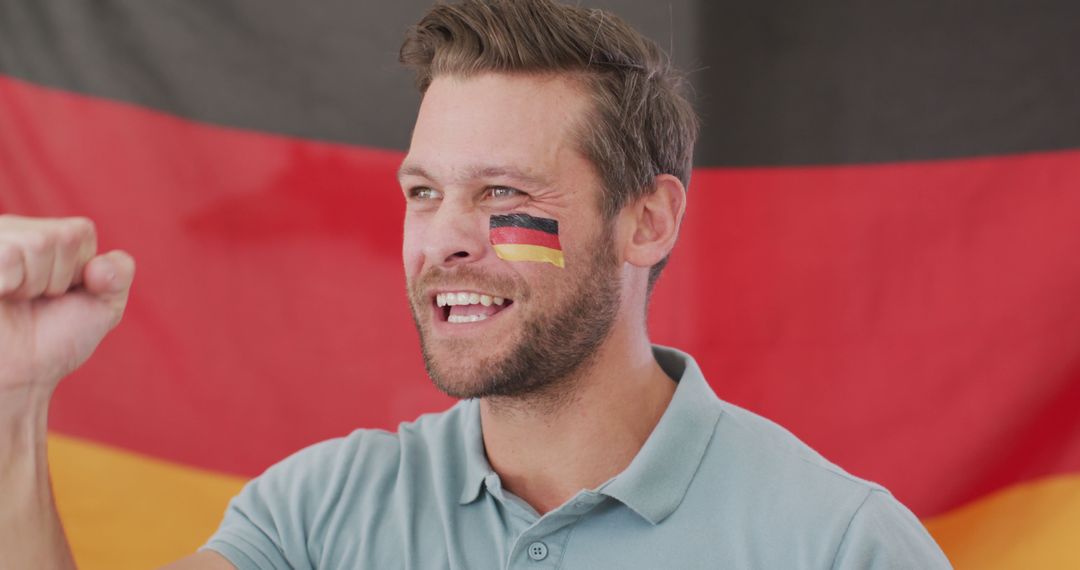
x=545, y=184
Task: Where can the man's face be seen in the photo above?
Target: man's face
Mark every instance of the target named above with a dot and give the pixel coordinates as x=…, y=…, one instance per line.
x=498, y=144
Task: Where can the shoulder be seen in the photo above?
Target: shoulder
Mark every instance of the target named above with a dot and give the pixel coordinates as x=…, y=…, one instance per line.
x=373, y=455
x=781, y=489
x=763, y=460
x=364, y=468
x=354, y=486
x=765, y=446
x=883, y=534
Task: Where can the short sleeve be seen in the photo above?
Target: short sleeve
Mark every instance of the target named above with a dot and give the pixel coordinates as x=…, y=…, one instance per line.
x=267, y=525
x=885, y=535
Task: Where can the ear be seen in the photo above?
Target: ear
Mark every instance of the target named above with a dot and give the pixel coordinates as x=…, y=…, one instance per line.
x=654, y=222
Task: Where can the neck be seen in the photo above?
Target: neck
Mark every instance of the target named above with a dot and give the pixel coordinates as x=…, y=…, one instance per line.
x=547, y=449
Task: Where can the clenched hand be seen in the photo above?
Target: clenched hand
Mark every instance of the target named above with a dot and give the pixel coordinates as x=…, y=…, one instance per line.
x=58, y=299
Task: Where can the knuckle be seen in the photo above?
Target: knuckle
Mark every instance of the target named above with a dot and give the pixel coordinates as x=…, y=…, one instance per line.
x=38, y=243
x=9, y=255
x=69, y=236
x=83, y=227
x=83, y=236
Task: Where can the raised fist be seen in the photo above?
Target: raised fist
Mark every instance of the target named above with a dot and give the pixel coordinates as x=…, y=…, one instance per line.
x=58, y=299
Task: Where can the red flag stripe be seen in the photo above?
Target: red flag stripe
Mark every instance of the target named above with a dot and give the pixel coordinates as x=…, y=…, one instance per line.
x=524, y=236
x=917, y=322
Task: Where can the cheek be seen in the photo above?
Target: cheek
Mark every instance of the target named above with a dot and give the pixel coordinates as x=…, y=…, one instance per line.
x=588, y=246
x=576, y=247
x=412, y=250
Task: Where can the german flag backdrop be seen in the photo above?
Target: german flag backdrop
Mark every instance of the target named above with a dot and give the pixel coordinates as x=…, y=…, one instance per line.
x=881, y=250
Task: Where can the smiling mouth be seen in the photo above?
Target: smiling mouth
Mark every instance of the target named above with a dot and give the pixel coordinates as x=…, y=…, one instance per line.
x=459, y=307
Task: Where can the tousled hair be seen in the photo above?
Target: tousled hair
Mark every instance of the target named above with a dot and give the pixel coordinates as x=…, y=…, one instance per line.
x=640, y=124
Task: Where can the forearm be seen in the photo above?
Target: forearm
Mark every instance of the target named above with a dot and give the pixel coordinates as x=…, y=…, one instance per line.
x=58, y=299
x=31, y=535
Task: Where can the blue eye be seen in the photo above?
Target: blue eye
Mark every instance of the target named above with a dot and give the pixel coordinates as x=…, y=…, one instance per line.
x=503, y=192
x=423, y=193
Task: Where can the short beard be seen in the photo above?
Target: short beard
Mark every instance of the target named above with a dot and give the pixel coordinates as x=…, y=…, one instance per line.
x=553, y=349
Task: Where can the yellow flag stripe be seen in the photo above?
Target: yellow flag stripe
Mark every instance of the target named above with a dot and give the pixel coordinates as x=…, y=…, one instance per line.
x=1029, y=525
x=122, y=510
x=525, y=252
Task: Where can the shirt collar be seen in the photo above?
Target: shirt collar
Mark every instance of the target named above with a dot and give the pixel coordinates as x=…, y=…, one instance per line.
x=655, y=482
x=477, y=467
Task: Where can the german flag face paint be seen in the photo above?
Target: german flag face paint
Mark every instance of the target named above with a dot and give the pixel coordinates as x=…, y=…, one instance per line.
x=521, y=237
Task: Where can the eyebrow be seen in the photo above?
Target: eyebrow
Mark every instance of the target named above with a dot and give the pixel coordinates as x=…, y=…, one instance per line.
x=478, y=172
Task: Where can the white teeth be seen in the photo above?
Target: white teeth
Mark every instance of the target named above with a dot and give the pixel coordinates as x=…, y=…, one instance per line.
x=466, y=318
x=467, y=298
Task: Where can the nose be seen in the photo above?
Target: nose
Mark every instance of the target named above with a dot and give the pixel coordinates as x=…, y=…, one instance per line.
x=455, y=236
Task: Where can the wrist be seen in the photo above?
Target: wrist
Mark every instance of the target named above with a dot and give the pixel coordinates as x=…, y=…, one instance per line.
x=24, y=411
x=31, y=535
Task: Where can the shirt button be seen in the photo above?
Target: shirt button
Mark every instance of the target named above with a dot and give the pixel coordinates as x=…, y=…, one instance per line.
x=538, y=551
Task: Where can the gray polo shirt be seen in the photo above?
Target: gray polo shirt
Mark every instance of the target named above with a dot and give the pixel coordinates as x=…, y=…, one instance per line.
x=714, y=486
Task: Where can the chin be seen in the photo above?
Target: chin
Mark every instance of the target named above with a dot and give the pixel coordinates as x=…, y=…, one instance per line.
x=461, y=369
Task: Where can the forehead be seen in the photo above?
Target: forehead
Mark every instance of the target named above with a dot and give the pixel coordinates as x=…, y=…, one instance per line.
x=522, y=121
